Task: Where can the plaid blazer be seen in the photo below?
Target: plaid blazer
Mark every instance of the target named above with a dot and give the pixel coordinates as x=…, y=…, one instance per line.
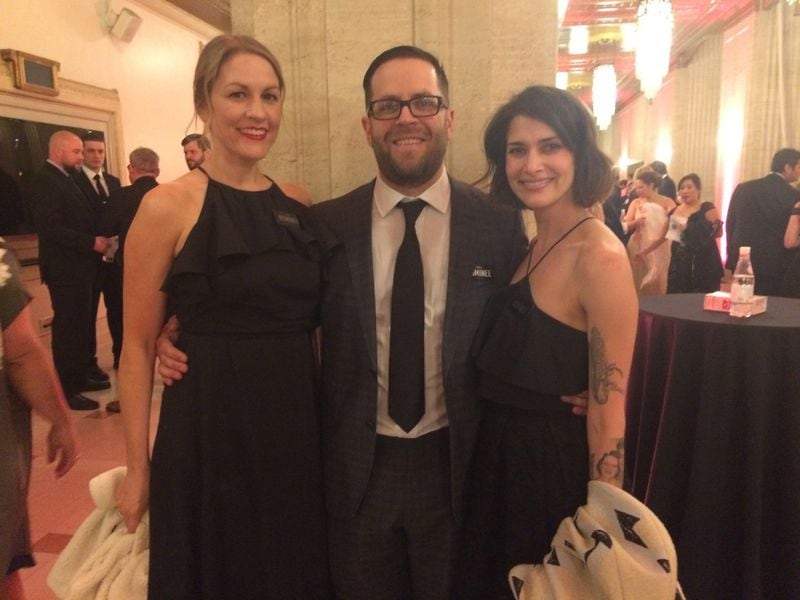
x=486, y=243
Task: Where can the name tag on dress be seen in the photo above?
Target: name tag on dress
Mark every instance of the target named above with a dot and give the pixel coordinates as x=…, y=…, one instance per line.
x=479, y=272
x=286, y=219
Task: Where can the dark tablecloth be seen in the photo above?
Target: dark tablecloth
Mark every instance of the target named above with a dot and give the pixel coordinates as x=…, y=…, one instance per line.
x=713, y=442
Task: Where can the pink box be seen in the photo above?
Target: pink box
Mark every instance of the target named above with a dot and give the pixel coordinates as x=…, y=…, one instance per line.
x=721, y=302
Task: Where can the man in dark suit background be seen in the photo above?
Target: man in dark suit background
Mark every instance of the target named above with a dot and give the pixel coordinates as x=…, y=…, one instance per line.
x=395, y=492
x=757, y=216
x=68, y=251
x=142, y=171
x=667, y=185
x=196, y=147
x=98, y=186
x=122, y=206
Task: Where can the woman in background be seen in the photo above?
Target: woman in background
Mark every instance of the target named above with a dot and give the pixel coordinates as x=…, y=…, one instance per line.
x=565, y=324
x=27, y=381
x=695, y=264
x=647, y=219
x=235, y=486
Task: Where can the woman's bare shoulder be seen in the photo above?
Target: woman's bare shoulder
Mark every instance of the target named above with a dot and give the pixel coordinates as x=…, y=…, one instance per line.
x=666, y=203
x=175, y=197
x=600, y=250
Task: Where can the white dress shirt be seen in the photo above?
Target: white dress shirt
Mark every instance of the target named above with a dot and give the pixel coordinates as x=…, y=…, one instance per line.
x=433, y=232
x=90, y=174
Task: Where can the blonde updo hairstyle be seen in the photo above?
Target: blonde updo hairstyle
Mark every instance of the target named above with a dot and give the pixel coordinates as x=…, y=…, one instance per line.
x=219, y=51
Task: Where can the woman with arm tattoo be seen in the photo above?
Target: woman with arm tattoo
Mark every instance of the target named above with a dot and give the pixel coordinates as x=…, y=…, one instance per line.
x=566, y=323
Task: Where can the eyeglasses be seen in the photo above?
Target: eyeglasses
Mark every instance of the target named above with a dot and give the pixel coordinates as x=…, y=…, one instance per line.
x=420, y=106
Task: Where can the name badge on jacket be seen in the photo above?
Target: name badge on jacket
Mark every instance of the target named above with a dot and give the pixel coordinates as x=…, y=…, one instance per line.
x=286, y=219
x=479, y=272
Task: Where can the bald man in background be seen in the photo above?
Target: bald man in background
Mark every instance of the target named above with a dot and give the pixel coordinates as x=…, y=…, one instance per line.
x=68, y=250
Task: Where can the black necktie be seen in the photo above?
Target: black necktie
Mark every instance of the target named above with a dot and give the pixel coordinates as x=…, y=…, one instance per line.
x=101, y=191
x=406, y=338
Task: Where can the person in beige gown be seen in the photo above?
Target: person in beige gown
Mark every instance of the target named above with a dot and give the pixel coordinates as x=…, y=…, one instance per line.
x=648, y=219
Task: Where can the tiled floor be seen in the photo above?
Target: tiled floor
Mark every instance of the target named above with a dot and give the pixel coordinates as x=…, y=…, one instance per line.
x=59, y=506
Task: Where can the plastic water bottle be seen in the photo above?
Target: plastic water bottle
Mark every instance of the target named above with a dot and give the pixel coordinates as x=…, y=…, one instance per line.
x=742, y=286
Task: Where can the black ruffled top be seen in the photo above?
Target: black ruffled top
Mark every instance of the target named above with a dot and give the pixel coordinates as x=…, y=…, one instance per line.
x=526, y=358
x=250, y=265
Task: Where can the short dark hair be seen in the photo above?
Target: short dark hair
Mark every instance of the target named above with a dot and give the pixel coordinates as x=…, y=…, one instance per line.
x=784, y=157
x=93, y=136
x=406, y=52
x=573, y=124
x=694, y=178
x=659, y=167
x=202, y=141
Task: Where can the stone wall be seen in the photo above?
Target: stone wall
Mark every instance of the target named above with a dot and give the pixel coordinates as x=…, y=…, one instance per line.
x=489, y=49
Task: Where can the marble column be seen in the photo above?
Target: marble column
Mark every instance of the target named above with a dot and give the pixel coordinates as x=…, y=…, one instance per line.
x=489, y=49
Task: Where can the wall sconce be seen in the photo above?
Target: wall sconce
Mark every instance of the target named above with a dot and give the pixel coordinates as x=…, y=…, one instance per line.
x=124, y=24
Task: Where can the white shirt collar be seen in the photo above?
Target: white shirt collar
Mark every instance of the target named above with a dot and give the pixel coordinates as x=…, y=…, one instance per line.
x=437, y=195
x=90, y=174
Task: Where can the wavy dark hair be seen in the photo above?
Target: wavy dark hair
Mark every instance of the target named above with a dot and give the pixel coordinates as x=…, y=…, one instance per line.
x=573, y=124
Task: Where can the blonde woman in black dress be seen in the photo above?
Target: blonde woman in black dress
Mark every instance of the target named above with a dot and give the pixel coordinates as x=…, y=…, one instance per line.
x=234, y=485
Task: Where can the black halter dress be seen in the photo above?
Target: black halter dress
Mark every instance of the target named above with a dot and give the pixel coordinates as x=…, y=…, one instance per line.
x=236, y=502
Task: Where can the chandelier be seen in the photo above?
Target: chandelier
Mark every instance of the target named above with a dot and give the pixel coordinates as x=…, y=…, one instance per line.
x=578, y=39
x=653, y=43
x=604, y=95
x=562, y=11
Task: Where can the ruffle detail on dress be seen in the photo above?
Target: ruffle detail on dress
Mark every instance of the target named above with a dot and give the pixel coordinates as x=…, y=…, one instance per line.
x=236, y=224
x=518, y=343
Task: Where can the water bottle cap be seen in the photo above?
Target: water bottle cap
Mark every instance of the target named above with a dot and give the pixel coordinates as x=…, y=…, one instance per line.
x=744, y=250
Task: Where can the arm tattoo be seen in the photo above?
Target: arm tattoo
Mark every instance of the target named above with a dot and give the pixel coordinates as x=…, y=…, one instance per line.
x=610, y=467
x=601, y=373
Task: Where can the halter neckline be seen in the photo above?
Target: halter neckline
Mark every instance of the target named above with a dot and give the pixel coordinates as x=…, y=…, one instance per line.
x=530, y=269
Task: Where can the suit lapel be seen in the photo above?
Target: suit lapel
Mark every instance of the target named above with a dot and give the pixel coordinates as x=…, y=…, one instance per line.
x=359, y=260
x=70, y=186
x=459, y=267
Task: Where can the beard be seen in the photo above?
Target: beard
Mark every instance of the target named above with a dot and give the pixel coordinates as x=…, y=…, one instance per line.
x=414, y=174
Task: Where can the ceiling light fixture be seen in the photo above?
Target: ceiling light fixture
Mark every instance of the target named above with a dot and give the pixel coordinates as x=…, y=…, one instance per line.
x=578, y=39
x=562, y=11
x=628, y=31
x=653, y=44
x=604, y=95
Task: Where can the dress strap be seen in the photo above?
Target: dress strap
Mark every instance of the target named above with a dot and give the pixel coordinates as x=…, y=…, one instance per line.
x=557, y=242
